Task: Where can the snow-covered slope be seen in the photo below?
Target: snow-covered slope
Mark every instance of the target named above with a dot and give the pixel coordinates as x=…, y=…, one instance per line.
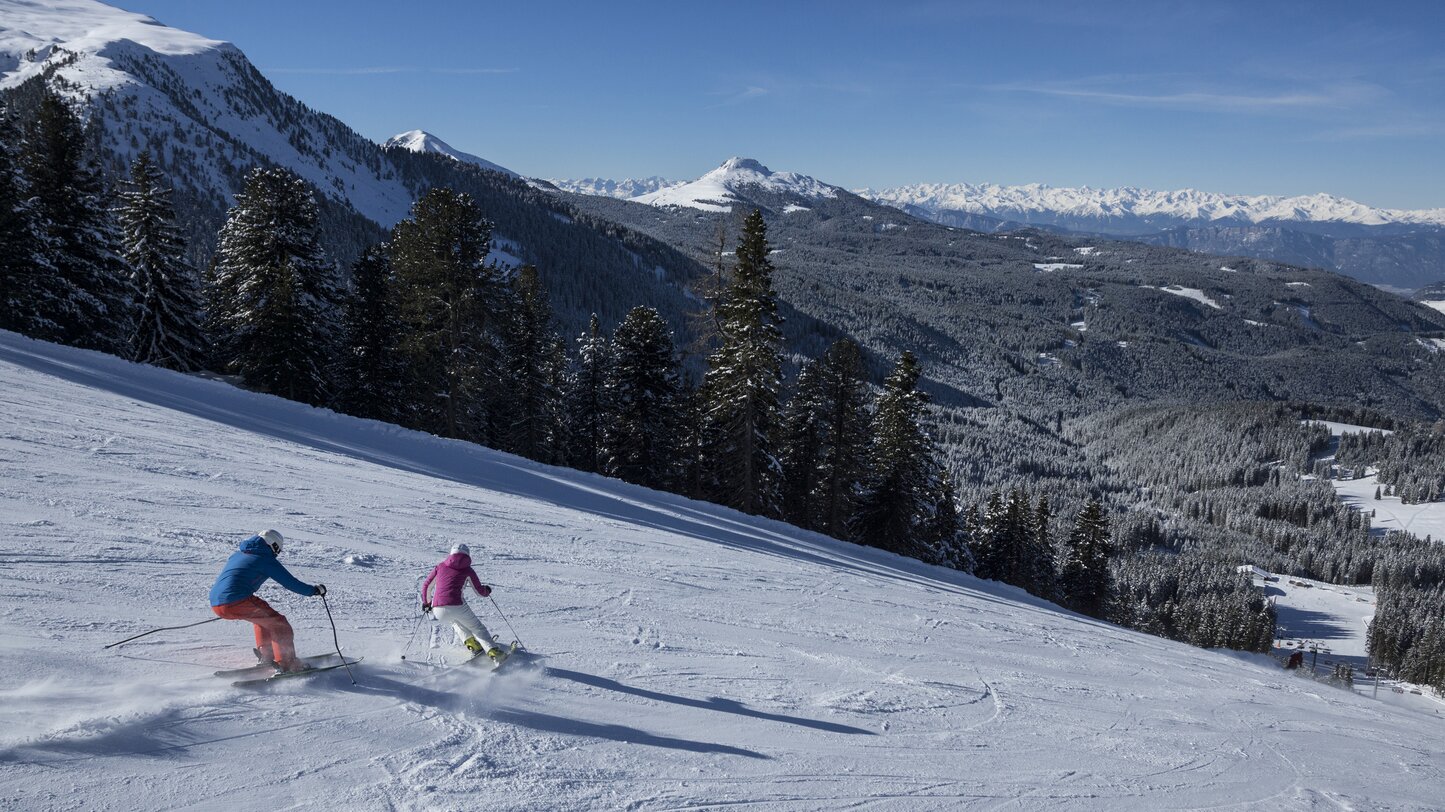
x=688, y=656
x=1122, y=207
x=719, y=189
x=197, y=101
x=423, y=141
x=620, y=189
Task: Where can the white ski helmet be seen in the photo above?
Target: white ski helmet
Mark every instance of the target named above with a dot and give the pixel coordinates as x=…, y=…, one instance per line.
x=273, y=538
x=461, y=547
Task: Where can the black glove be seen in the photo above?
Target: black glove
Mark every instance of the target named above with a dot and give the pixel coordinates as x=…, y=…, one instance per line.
x=485, y=591
x=320, y=590
x=426, y=608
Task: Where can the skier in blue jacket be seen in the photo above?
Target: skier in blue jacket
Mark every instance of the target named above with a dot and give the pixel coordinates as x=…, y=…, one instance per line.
x=233, y=597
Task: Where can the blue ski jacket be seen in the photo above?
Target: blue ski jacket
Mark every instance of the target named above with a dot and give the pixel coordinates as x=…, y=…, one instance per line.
x=247, y=569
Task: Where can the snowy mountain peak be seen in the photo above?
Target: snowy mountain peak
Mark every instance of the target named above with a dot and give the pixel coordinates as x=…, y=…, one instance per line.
x=744, y=164
x=423, y=141
x=84, y=36
x=215, y=113
x=731, y=182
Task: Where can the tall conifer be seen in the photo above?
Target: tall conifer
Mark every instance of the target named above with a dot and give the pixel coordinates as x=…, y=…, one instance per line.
x=1085, y=576
x=88, y=299
x=740, y=391
x=900, y=489
x=586, y=398
x=370, y=371
x=448, y=302
x=168, y=315
x=641, y=431
x=275, y=303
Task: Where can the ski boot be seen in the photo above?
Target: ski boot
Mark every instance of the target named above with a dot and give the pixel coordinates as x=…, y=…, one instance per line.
x=263, y=657
x=473, y=645
x=498, y=654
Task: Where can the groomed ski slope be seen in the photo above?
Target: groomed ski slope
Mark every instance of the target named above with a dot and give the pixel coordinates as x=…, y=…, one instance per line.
x=694, y=657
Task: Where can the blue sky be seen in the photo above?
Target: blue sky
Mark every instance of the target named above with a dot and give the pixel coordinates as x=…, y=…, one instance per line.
x=1246, y=97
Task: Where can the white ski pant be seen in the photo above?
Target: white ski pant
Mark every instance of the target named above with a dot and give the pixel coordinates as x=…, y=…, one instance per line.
x=464, y=620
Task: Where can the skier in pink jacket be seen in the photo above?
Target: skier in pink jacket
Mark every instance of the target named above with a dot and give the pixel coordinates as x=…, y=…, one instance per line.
x=448, y=606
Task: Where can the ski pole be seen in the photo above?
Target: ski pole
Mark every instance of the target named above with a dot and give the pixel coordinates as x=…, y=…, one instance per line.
x=504, y=620
x=162, y=629
x=335, y=640
x=412, y=636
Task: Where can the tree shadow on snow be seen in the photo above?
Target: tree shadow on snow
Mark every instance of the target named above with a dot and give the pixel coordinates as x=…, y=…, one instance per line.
x=451, y=702
x=1306, y=624
x=469, y=464
x=713, y=703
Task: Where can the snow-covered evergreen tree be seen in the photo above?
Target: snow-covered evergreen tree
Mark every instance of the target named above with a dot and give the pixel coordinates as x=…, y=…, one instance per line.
x=532, y=365
x=740, y=391
x=448, y=302
x=25, y=270
x=641, y=430
x=1042, y=576
x=800, y=446
x=842, y=457
x=945, y=533
x=275, y=299
x=902, y=483
x=825, y=441
x=1084, y=580
x=370, y=371
x=988, y=538
x=88, y=299
x=586, y=398
x=168, y=314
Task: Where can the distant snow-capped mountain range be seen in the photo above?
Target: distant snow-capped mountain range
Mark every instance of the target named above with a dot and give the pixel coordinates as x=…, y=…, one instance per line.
x=1402, y=250
x=1034, y=201
x=1130, y=209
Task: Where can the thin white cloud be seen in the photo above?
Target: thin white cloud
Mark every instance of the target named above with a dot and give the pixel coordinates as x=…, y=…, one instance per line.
x=386, y=69
x=747, y=94
x=363, y=71
x=474, y=71
x=1220, y=102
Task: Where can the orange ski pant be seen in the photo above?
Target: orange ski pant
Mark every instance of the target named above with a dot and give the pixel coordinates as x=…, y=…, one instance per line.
x=273, y=633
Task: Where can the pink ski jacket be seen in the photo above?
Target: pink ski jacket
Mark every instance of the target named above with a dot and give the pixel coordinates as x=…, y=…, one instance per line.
x=451, y=577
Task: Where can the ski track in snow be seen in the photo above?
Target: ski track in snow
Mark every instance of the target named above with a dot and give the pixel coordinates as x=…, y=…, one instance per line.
x=683, y=656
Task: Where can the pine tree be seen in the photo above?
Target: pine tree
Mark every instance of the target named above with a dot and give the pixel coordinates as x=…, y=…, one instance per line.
x=88, y=298
x=901, y=486
x=801, y=445
x=370, y=373
x=586, y=405
x=275, y=302
x=740, y=390
x=169, y=315
x=531, y=366
x=448, y=303
x=641, y=429
x=842, y=455
x=25, y=270
x=1085, y=577
x=987, y=541
x=945, y=533
x=1043, y=578
x=1017, y=540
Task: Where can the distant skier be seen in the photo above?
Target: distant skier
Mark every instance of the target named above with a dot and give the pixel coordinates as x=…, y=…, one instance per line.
x=233, y=597
x=448, y=606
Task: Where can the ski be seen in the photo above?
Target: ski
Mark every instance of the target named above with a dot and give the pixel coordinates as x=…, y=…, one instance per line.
x=280, y=675
x=267, y=668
